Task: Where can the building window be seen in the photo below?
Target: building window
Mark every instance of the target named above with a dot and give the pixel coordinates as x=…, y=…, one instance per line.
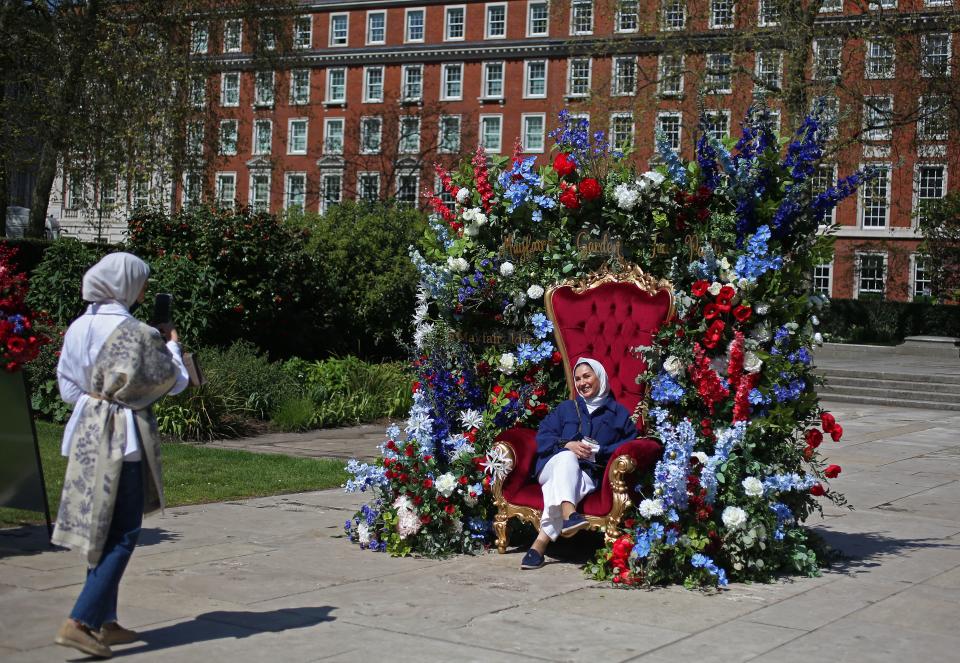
x=716, y=124
x=496, y=21
x=372, y=84
x=719, y=77
x=407, y=187
x=376, y=27
x=938, y=3
x=452, y=85
x=449, y=138
x=880, y=58
x=226, y=189
x=232, y=36
x=535, y=79
x=826, y=58
x=108, y=194
x=875, y=199
x=628, y=16
x=230, y=88
x=673, y=14
x=368, y=186
x=769, y=71
x=454, y=20
x=933, y=118
x=935, y=55
x=824, y=177
x=339, y=29
x=721, y=14
x=260, y=192
x=533, y=130
x=228, y=137
x=336, y=85
x=75, y=194
x=871, y=274
x=262, y=136
x=823, y=279
x=578, y=78
x=303, y=32
x=768, y=13
x=295, y=191
x=263, y=88
x=538, y=19
x=921, y=277
x=371, y=132
x=199, y=37
x=624, y=76
x=621, y=131
x=198, y=91
x=490, y=132
x=141, y=193
x=878, y=118
x=883, y=4
x=333, y=135
x=297, y=137
x=331, y=189
x=492, y=80
x=931, y=185
x=831, y=6
x=668, y=124
x=581, y=17
x=829, y=108
x=412, y=82
x=300, y=86
x=267, y=37
x=409, y=134
x=414, y=25
x=670, y=83
x=192, y=189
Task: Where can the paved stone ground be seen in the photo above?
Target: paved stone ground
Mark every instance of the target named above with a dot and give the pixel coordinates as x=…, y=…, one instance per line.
x=272, y=579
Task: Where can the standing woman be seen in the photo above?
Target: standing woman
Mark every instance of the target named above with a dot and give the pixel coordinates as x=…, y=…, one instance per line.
x=113, y=368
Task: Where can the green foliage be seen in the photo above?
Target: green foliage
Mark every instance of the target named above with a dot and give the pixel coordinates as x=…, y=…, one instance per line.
x=859, y=321
x=202, y=414
x=940, y=225
x=55, y=284
x=296, y=413
x=249, y=377
x=42, y=377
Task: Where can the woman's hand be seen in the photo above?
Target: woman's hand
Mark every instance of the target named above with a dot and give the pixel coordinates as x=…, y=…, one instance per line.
x=169, y=332
x=582, y=450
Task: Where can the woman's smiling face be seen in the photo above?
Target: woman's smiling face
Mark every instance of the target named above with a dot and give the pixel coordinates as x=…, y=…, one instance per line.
x=585, y=380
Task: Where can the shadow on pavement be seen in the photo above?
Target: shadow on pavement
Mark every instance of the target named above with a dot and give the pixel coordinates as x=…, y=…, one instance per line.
x=222, y=624
x=34, y=539
x=858, y=552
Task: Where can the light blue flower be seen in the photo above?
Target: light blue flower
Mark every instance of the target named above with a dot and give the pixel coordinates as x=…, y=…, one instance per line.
x=541, y=325
x=699, y=561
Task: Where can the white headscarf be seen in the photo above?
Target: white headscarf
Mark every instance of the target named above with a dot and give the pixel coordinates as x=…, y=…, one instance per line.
x=117, y=277
x=603, y=391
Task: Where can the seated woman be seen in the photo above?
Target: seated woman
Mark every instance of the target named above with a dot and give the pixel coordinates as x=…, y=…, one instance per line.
x=574, y=443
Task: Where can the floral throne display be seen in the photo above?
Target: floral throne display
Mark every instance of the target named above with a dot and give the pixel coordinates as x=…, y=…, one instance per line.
x=603, y=317
x=725, y=379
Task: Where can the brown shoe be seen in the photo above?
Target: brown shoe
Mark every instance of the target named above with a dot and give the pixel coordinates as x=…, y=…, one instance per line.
x=111, y=633
x=80, y=637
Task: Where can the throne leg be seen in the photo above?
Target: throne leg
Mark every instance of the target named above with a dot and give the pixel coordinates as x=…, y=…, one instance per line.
x=500, y=529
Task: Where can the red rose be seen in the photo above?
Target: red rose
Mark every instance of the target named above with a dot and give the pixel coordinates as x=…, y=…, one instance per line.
x=710, y=311
x=590, y=189
x=556, y=357
x=828, y=421
x=814, y=438
x=449, y=509
x=408, y=451
x=403, y=477
x=725, y=296
x=417, y=500
x=541, y=410
x=837, y=432
x=564, y=164
x=832, y=471
x=416, y=386
x=742, y=313
x=629, y=523
x=471, y=435
x=428, y=483
x=817, y=489
x=699, y=288
x=463, y=480
x=497, y=389
x=425, y=519
x=391, y=445
x=427, y=458
x=569, y=199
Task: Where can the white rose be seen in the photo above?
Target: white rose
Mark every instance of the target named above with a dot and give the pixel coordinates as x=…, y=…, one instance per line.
x=734, y=517
x=655, y=178
x=472, y=229
x=626, y=196
x=752, y=486
x=751, y=362
x=714, y=288
x=818, y=338
x=480, y=218
x=814, y=320
x=507, y=363
x=363, y=534
x=651, y=508
x=724, y=264
x=701, y=456
x=462, y=195
x=506, y=269
x=673, y=366
x=534, y=292
x=470, y=214
x=445, y=484
x=458, y=264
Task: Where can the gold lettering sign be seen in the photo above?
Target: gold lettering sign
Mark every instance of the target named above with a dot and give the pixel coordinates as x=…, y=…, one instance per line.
x=496, y=338
x=603, y=246
x=521, y=248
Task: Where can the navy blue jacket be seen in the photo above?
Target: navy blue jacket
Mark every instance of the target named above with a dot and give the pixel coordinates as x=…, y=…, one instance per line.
x=609, y=426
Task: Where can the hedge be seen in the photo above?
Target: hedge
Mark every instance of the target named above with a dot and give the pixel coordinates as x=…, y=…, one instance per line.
x=870, y=321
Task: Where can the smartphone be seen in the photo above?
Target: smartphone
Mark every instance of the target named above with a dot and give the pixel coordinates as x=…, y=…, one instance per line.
x=163, y=308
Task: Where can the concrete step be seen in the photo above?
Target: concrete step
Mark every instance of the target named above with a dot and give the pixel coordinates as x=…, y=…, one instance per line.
x=890, y=393
x=866, y=400
x=927, y=377
x=909, y=385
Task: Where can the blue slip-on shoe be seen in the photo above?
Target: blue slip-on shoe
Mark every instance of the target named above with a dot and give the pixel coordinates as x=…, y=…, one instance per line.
x=532, y=560
x=573, y=524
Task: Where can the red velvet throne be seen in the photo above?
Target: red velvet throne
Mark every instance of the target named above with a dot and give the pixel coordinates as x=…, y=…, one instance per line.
x=602, y=317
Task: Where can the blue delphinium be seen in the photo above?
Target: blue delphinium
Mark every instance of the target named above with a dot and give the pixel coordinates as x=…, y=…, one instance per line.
x=670, y=473
x=757, y=260
x=364, y=476
x=784, y=517
x=727, y=440
x=785, y=483
x=665, y=389
x=541, y=325
x=675, y=168
x=441, y=231
x=800, y=356
x=701, y=561
x=707, y=158
x=706, y=267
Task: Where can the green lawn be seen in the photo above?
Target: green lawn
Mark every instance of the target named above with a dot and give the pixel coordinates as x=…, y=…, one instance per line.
x=193, y=474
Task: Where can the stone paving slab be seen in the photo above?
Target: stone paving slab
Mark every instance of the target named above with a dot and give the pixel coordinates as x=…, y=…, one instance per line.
x=273, y=579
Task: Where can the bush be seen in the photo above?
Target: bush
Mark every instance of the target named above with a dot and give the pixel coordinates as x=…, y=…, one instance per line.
x=296, y=413
x=42, y=377
x=202, y=414
x=246, y=375
x=859, y=321
x=55, y=284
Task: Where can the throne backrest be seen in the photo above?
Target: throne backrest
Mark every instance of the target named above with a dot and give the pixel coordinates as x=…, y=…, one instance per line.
x=605, y=317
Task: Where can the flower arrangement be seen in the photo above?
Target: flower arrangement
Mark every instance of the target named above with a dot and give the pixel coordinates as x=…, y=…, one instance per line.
x=737, y=232
x=20, y=340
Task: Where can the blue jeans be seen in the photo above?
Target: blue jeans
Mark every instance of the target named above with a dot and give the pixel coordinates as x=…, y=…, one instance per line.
x=97, y=602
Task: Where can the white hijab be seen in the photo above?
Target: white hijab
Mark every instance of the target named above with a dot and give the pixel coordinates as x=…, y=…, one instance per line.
x=597, y=400
x=118, y=277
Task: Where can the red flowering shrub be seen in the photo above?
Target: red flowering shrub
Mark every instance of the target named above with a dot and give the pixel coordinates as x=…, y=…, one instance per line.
x=20, y=341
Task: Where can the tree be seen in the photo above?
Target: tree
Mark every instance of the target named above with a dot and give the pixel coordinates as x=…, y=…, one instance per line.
x=939, y=221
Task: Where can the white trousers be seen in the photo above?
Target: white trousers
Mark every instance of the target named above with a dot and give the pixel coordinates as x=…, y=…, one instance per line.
x=562, y=480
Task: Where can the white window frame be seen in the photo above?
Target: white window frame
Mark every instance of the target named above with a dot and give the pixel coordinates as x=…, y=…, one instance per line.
x=728, y=89
x=234, y=75
x=675, y=81
x=663, y=16
x=187, y=187
x=363, y=174
x=484, y=90
x=288, y=190
x=325, y=203
x=620, y=115
x=406, y=25
x=223, y=148
x=764, y=9
x=830, y=6
x=445, y=68
x=861, y=200
x=255, y=139
x=924, y=71
x=264, y=206
x=447, y=12
x=885, y=74
x=198, y=46
x=329, y=122
x=331, y=40
x=486, y=27
x=657, y=127
x=916, y=259
x=526, y=78
x=877, y=134
x=760, y=65
x=259, y=100
x=589, y=86
x=228, y=25
x=416, y=186
x=219, y=179
x=830, y=217
x=917, y=199
x=828, y=266
x=404, y=96
x=524, y=135
x=924, y=132
x=198, y=91
x=367, y=99
x=402, y=136
x=294, y=101
x=328, y=96
x=857, y=273
x=364, y=148
x=306, y=136
x=821, y=44
x=441, y=134
x=720, y=112
x=618, y=19
x=529, y=27
x=731, y=6
x=370, y=41
x=581, y=4
x=615, y=87
x=303, y=39
x=482, y=137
